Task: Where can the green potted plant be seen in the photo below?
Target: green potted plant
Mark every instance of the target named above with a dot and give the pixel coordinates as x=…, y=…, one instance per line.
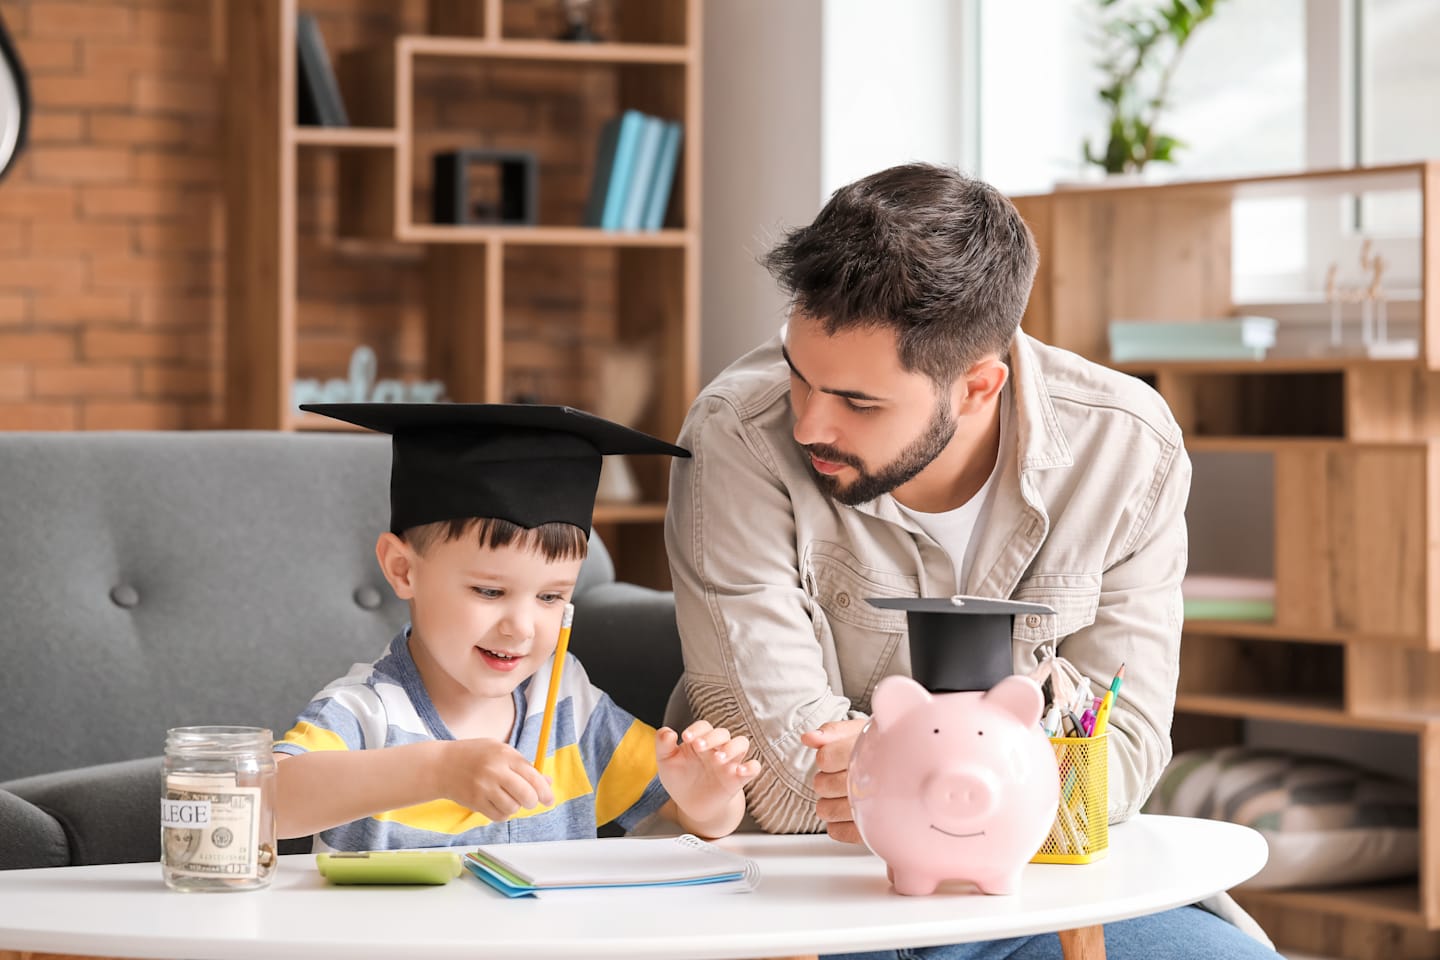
x=1140, y=48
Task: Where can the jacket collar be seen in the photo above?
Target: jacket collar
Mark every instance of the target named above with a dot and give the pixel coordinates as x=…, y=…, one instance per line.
x=1040, y=442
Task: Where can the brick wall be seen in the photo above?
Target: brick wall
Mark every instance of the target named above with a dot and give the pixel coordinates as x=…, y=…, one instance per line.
x=112, y=224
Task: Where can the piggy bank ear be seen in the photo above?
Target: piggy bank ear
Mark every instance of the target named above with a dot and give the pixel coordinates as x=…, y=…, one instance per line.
x=1018, y=695
x=894, y=697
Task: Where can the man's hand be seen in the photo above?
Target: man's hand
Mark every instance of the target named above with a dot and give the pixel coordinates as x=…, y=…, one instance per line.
x=833, y=743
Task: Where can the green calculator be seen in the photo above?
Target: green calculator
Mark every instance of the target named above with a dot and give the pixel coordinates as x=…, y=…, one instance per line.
x=390, y=866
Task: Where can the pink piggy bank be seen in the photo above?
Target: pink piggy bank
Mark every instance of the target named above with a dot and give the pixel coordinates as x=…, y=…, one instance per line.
x=954, y=786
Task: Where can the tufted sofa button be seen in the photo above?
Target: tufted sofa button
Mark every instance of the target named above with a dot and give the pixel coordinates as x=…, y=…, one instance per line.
x=124, y=596
x=367, y=598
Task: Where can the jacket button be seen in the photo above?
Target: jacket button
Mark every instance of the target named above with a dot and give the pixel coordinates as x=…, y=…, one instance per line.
x=842, y=600
x=1032, y=620
x=124, y=596
x=367, y=598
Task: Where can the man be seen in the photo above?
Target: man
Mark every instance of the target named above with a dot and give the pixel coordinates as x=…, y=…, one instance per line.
x=901, y=437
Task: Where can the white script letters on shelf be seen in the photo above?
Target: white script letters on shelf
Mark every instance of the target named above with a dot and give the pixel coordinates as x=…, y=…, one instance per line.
x=360, y=386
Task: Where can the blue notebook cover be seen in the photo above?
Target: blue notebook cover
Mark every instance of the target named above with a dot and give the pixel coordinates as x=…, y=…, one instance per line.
x=632, y=123
x=512, y=890
x=647, y=154
x=664, y=178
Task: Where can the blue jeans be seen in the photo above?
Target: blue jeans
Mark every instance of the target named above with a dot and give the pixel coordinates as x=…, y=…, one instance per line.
x=1186, y=933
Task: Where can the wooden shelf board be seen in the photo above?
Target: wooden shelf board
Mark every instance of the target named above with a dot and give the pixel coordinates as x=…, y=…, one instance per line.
x=1298, y=709
x=1268, y=630
x=629, y=512
x=1295, y=444
x=672, y=54
x=544, y=236
x=1332, y=181
x=313, y=421
x=1335, y=364
x=1397, y=903
x=345, y=136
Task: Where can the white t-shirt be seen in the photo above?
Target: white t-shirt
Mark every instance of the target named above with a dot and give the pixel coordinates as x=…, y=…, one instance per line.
x=956, y=530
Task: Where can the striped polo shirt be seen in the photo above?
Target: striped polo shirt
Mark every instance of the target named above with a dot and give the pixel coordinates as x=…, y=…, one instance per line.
x=601, y=764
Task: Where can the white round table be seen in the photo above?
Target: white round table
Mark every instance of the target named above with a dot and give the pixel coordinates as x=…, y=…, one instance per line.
x=815, y=896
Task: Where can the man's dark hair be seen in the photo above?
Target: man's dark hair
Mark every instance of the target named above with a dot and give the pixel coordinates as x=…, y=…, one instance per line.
x=942, y=259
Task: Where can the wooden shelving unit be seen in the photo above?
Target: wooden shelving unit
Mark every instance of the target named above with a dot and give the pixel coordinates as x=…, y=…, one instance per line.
x=1351, y=448
x=638, y=289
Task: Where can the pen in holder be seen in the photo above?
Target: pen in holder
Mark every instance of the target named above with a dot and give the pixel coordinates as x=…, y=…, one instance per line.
x=1081, y=831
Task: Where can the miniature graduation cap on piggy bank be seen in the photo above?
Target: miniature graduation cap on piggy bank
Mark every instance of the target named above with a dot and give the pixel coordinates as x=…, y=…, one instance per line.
x=526, y=463
x=955, y=785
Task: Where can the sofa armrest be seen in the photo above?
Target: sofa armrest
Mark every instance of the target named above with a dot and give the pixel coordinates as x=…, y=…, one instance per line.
x=29, y=837
x=110, y=813
x=625, y=635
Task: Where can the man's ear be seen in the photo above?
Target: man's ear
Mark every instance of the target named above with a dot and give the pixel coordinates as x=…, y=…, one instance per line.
x=979, y=385
x=397, y=563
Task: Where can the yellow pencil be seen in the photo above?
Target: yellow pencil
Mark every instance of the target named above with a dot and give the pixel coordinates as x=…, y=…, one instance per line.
x=549, y=715
x=1102, y=716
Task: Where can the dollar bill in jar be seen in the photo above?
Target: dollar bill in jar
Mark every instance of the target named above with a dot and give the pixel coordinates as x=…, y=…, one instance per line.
x=217, y=822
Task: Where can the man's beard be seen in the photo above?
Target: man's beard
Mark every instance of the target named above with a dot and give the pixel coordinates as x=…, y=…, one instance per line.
x=901, y=470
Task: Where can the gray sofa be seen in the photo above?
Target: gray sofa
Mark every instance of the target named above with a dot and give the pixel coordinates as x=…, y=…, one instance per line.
x=156, y=580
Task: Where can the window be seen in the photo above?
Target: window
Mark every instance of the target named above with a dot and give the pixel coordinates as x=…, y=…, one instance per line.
x=1266, y=86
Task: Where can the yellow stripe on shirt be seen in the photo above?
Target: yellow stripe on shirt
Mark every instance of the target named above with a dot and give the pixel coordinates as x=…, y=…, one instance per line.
x=314, y=739
x=630, y=770
x=569, y=781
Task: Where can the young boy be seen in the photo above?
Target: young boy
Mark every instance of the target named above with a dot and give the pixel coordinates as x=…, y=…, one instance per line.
x=490, y=512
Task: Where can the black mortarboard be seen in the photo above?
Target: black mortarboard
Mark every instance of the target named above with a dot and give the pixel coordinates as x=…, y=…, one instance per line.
x=526, y=463
x=960, y=643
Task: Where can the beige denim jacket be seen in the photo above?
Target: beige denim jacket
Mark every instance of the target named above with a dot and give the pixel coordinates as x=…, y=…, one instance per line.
x=771, y=575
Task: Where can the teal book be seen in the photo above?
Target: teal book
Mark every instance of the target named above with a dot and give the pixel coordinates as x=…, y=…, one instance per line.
x=622, y=173
x=647, y=152
x=664, y=179
x=604, y=168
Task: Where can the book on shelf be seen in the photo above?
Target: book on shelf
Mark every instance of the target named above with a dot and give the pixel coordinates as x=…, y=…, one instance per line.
x=647, y=155
x=1218, y=597
x=320, y=103
x=1229, y=338
x=614, y=162
x=659, y=196
x=528, y=869
x=635, y=163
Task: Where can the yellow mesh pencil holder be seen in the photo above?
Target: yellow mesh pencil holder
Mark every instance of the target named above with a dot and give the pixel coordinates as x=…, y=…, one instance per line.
x=1081, y=831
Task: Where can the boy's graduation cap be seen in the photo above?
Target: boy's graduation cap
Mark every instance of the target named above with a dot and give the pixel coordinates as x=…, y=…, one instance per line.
x=526, y=463
x=959, y=643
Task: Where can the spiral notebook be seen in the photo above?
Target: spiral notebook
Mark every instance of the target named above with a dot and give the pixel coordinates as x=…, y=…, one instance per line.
x=526, y=869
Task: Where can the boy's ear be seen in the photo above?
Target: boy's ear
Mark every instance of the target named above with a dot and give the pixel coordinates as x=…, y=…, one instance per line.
x=397, y=563
x=980, y=384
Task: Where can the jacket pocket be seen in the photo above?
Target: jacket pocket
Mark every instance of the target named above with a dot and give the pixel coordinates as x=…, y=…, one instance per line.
x=859, y=642
x=1075, y=598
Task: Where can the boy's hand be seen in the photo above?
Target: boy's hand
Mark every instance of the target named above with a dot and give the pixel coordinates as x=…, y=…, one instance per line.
x=703, y=770
x=492, y=778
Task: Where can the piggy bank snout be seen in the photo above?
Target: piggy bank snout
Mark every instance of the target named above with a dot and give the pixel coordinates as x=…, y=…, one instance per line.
x=961, y=795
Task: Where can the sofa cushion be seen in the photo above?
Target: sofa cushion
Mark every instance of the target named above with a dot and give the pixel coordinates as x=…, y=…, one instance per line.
x=1326, y=822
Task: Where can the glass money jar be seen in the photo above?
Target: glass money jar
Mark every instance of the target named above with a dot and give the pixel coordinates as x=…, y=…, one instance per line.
x=217, y=809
